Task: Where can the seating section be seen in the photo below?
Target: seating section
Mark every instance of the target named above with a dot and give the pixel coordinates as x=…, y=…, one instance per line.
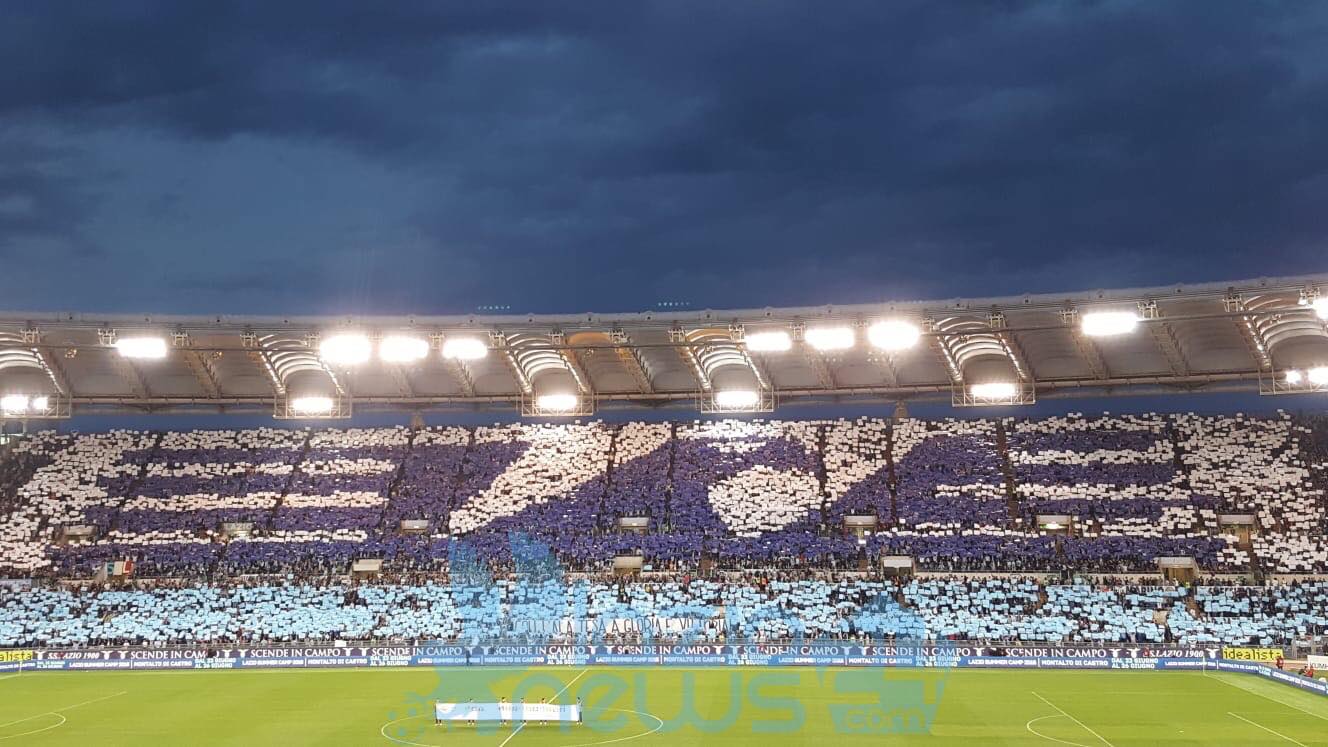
x=749, y=607
x=953, y=494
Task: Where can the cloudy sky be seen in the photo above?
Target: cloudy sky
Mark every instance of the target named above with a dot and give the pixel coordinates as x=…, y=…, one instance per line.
x=289, y=157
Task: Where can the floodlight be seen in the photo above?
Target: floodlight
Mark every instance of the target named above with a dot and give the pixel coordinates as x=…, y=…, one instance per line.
x=345, y=350
x=40, y=404
x=464, y=348
x=768, y=342
x=557, y=402
x=893, y=334
x=994, y=390
x=1318, y=375
x=737, y=399
x=1294, y=377
x=829, y=338
x=141, y=347
x=14, y=404
x=312, y=405
x=1320, y=306
x=403, y=349
x=1108, y=323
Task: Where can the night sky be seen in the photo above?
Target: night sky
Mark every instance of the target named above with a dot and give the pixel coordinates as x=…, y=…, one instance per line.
x=324, y=157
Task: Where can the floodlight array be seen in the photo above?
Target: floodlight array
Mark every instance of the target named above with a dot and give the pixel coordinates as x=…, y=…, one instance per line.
x=148, y=348
x=893, y=334
x=312, y=405
x=346, y=349
x=1108, y=323
x=737, y=399
x=16, y=405
x=994, y=391
x=558, y=402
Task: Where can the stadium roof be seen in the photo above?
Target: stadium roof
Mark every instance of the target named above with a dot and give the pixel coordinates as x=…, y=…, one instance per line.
x=1242, y=335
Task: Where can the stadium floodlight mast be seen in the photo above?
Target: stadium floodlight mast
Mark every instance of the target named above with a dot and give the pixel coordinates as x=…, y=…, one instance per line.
x=775, y=341
x=347, y=349
x=994, y=391
x=737, y=399
x=403, y=349
x=1108, y=323
x=893, y=334
x=150, y=348
x=829, y=338
x=312, y=405
x=464, y=348
x=557, y=402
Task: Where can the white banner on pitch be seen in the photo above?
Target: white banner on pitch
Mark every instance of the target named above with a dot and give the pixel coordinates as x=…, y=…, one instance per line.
x=506, y=712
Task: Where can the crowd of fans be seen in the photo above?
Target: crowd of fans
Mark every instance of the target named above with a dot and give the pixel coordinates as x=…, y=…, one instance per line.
x=702, y=497
x=754, y=606
x=954, y=495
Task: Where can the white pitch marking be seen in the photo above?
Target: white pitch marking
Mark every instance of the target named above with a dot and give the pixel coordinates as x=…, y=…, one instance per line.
x=1029, y=727
x=383, y=731
x=1261, y=726
x=518, y=729
x=1265, y=697
x=633, y=736
x=56, y=711
x=1072, y=718
x=56, y=725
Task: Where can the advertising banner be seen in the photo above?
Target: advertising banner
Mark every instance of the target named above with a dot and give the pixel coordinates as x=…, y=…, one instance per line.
x=1251, y=654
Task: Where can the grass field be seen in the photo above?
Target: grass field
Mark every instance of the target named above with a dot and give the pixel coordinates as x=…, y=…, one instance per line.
x=391, y=706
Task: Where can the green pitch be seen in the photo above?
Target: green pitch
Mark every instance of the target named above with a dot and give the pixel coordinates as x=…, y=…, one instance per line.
x=640, y=707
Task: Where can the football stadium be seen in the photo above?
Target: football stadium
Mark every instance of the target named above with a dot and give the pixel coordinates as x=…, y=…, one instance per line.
x=923, y=522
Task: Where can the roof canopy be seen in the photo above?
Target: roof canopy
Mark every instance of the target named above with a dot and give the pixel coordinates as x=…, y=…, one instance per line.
x=1218, y=336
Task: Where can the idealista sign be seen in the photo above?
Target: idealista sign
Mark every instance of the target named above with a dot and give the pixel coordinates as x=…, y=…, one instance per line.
x=1251, y=654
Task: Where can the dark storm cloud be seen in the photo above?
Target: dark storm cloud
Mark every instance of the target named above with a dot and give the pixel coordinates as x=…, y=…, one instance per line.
x=609, y=155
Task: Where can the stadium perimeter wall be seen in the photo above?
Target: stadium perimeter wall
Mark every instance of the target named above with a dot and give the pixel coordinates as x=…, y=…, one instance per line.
x=1203, y=658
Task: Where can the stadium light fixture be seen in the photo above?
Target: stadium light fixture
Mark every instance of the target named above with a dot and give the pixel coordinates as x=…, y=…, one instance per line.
x=1318, y=375
x=152, y=348
x=1294, y=377
x=312, y=405
x=40, y=403
x=1108, y=323
x=1320, y=306
x=893, y=334
x=994, y=390
x=768, y=342
x=403, y=349
x=737, y=399
x=464, y=348
x=14, y=404
x=829, y=338
x=561, y=402
x=345, y=350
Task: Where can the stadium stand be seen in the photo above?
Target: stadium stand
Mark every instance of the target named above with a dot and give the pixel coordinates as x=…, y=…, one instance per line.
x=199, y=510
